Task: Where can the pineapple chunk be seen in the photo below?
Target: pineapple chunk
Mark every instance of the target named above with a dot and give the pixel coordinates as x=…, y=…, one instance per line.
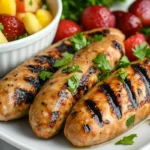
x=31, y=23
x=2, y=38
x=8, y=7
x=44, y=17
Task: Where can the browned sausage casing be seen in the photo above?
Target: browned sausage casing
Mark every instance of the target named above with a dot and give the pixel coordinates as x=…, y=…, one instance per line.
x=101, y=114
x=19, y=87
x=54, y=101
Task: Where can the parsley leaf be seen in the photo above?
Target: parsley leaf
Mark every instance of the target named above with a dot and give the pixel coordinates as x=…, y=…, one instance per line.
x=98, y=37
x=64, y=61
x=45, y=75
x=127, y=140
x=102, y=63
x=122, y=74
x=22, y=36
x=30, y=3
x=79, y=41
x=141, y=51
x=1, y=27
x=73, y=68
x=104, y=76
x=123, y=63
x=146, y=31
x=73, y=83
x=130, y=121
x=89, y=40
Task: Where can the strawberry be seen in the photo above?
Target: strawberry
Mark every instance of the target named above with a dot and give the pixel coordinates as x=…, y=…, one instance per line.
x=141, y=8
x=97, y=16
x=66, y=28
x=13, y=28
x=130, y=44
x=128, y=23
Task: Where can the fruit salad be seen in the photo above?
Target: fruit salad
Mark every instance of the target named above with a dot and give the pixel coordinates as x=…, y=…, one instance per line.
x=21, y=18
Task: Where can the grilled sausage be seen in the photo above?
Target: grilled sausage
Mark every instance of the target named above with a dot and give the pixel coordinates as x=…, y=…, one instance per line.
x=19, y=87
x=54, y=101
x=102, y=113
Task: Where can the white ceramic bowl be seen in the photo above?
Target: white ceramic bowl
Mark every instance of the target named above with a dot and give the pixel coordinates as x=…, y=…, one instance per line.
x=13, y=53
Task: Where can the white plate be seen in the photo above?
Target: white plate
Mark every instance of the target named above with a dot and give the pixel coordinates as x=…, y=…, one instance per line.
x=19, y=134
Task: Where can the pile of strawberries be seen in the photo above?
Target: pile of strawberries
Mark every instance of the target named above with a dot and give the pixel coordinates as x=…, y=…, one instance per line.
x=130, y=23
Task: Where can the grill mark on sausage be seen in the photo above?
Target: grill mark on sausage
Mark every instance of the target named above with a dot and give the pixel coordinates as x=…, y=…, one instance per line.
x=106, y=32
x=86, y=128
x=23, y=96
x=54, y=116
x=84, y=80
x=63, y=94
x=118, y=46
x=95, y=112
x=35, y=82
x=131, y=94
x=73, y=114
x=143, y=74
x=112, y=99
x=147, y=61
x=65, y=48
x=96, y=33
x=45, y=59
x=34, y=69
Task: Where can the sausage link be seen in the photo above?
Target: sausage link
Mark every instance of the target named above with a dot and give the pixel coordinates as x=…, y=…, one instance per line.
x=54, y=101
x=102, y=113
x=19, y=87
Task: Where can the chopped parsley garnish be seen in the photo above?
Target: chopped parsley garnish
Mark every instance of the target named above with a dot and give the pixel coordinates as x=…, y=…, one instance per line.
x=73, y=83
x=127, y=140
x=45, y=75
x=103, y=76
x=130, y=121
x=122, y=74
x=79, y=41
x=98, y=37
x=30, y=3
x=73, y=68
x=72, y=9
x=22, y=36
x=1, y=27
x=102, y=63
x=123, y=63
x=89, y=40
x=146, y=31
x=141, y=51
x=64, y=61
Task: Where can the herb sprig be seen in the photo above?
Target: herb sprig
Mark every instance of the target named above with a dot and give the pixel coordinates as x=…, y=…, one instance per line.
x=141, y=51
x=67, y=57
x=73, y=83
x=127, y=140
x=45, y=75
x=122, y=74
x=102, y=63
x=79, y=41
x=1, y=27
x=73, y=68
x=72, y=9
x=130, y=121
